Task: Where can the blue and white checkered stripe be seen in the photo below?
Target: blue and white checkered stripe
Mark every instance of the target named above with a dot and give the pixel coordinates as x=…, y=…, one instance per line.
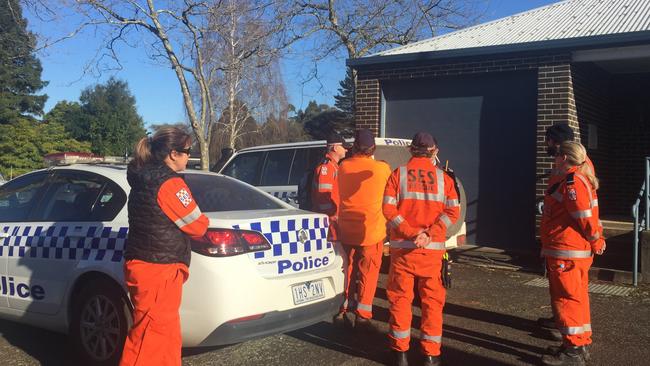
x=280, y=195
x=283, y=235
x=93, y=243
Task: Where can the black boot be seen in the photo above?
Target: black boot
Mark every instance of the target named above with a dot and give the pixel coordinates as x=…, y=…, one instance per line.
x=342, y=320
x=400, y=359
x=431, y=361
x=567, y=356
x=365, y=325
x=546, y=322
x=552, y=350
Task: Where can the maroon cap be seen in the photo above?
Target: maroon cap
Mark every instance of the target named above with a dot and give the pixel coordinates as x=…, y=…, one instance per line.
x=364, y=139
x=423, y=140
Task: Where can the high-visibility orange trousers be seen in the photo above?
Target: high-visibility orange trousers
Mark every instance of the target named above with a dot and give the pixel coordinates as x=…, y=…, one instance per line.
x=361, y=277
x=406, y=265
x=155, y=337
x=569, y=288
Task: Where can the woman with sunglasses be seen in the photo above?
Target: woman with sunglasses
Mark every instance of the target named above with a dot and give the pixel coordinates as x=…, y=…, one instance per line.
x=162, y=217
x=571, y=234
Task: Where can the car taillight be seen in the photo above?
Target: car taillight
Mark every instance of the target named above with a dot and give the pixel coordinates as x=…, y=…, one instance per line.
x=229, y=242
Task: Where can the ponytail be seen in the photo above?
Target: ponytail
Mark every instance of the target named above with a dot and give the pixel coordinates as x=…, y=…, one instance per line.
x=576, y=155
x=142, y=153
x=589, y=174
x=155, y=149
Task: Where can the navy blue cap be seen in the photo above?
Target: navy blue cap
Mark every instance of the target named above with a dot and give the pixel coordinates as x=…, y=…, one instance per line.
x=364, y=139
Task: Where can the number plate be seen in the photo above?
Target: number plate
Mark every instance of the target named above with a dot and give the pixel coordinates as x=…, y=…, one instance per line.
x=307, y=291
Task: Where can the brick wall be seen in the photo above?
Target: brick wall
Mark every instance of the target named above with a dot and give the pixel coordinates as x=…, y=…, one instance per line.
x=555, y=90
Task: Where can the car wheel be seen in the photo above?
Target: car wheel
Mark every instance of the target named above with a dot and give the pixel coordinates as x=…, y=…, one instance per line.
x=101, y=318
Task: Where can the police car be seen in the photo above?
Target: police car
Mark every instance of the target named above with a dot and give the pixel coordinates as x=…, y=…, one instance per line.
x=278, y=169
x=264, y=266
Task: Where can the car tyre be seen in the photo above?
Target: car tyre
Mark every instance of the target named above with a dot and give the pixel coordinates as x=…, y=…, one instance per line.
x=100, y=319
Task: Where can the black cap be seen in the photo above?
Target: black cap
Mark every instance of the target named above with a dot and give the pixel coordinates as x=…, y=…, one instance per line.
x=335, y=138
x=364, y=139
x=559, y=133
x=423, y=140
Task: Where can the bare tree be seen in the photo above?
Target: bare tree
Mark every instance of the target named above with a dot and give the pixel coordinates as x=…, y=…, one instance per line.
x=175, y=33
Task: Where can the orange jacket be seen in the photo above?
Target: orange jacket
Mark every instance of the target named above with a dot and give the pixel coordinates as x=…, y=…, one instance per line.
x=420, y=196
x=176, y=201
x=325, y=192
x=570, y=227
x=361, y=182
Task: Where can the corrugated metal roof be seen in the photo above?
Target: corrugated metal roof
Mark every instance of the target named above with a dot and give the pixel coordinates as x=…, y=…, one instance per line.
x=564, y=20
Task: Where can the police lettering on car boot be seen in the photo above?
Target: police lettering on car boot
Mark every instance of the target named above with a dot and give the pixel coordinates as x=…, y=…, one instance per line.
x=420, y=203
x=571, y=233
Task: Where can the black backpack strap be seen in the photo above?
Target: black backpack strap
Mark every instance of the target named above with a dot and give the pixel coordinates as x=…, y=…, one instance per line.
x=570, y=179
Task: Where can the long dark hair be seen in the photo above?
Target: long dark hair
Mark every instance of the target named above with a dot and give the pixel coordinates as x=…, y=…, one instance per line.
x=155, y=149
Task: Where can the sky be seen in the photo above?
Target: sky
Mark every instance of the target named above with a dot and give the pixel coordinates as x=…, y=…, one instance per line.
x=156, y=88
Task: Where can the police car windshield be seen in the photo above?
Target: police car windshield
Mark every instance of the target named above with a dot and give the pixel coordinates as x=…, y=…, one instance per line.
x=216, y=194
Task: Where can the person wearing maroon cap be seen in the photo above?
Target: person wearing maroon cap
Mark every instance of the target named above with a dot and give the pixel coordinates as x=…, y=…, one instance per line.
x=325, y=189
x=420, y=203
x=362, y=226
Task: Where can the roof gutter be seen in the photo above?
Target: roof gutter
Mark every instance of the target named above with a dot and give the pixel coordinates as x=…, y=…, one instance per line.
x=606, y=40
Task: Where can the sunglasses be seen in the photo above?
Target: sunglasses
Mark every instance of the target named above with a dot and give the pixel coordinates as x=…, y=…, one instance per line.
x=186, y=151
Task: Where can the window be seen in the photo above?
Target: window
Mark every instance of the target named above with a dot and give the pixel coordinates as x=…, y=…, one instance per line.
x=276, y=168
x=81, y=196
x=245, y=167
x=19, y=196
x=216, y=194
x=304, y=161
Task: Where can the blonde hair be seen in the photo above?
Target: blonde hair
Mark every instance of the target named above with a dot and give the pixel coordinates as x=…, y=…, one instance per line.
x=576, y=155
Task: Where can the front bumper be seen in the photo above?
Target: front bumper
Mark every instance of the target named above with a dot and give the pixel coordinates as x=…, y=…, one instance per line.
x=273, y=323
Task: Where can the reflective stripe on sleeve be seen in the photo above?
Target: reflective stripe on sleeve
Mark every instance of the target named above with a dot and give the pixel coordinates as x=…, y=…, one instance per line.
x=390, y=200
x=189, y=218
x=594, y=203
x=395, y=221
x=325, y=187
x=403, y=244
x=430, y=338
x=581, y=214
x=364, y=307
x=566, y=253
x=587, y=327
x=452, y=203
x=400, y=334
x=445, y=220
x=572, y=330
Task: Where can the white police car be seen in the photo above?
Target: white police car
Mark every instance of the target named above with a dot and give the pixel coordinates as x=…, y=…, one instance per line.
x=277, y=169
x=264, y=267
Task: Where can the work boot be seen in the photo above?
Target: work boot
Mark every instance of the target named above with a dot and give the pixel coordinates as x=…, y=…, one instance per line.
x=365, y=325
x=431, y=360
x=552, y=350
x=342, y=320
x=568, y=356
x=546, y=322
x=554, y=334
x=400, y=358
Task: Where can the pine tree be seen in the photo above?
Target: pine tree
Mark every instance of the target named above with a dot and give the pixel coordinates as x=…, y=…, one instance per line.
x=345, y=98
x=20, y=70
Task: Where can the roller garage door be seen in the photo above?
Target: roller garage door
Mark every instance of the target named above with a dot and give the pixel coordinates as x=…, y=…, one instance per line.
x=486, y=129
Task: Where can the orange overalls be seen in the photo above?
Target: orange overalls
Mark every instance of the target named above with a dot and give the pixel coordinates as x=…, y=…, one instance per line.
x=362, y=228
x=155, y=288
x=570, y=232
x=325, y=193
x=419, y=197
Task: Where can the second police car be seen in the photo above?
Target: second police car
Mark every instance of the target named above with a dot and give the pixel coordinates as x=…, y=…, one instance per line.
x=264, y=267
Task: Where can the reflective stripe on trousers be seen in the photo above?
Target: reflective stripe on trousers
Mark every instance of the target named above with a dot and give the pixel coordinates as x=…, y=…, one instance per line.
x=566, y=253
x=400, y=334
x=365, y=307
x=426, y=337
x=411, y=245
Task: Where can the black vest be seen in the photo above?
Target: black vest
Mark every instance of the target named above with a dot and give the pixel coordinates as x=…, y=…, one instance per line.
x=153, y=237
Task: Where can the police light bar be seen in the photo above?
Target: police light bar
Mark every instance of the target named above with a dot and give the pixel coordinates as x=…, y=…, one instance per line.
x=67, y=158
